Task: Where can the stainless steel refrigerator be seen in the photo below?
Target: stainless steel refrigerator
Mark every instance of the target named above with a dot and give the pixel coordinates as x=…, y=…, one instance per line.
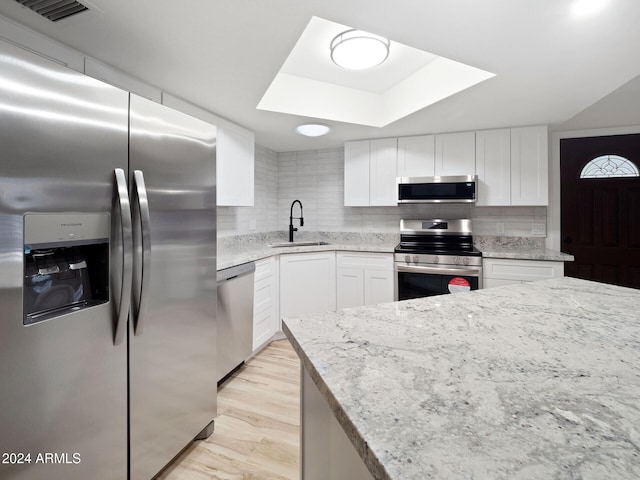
x=107, y=277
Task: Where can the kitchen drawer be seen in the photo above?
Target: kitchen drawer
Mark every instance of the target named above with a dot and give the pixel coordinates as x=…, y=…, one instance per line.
x=521, y=270
x=264, y=295
x=264, y=269
x=383, y=261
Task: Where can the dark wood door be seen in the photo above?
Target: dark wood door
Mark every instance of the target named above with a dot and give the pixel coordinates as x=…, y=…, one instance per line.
x=600, y=217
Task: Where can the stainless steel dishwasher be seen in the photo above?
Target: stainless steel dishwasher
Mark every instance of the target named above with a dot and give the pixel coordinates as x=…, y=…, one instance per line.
x=235, y=317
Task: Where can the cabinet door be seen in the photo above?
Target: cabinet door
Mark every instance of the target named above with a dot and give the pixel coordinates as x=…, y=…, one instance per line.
x=235, y=159
x=382, y=172
x=307, y=283
x=265, y=302
x=493, y=167
x=350, y=287
x=356, y=174
x=529, y=166
x=416, y=156
x=455, y=154
x=378, y=286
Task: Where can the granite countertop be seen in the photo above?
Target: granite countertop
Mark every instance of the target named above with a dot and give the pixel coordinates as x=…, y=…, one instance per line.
x=530, y=381
x=234, y=251
x=517, y=252
x=231, y=257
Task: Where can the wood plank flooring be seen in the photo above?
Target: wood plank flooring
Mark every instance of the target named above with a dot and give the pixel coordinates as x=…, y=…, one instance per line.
x=257, y=431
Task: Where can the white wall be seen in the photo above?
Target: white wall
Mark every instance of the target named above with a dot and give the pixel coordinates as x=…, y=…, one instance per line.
x=316, y=179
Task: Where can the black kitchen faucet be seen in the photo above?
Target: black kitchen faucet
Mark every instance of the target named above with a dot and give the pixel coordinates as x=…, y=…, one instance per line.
x=291, y=217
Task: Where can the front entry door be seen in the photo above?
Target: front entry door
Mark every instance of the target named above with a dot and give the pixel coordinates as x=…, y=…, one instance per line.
x=600, y=208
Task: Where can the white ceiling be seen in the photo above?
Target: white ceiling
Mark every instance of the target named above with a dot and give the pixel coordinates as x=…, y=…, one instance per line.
x=551, y=66
x=310, y=84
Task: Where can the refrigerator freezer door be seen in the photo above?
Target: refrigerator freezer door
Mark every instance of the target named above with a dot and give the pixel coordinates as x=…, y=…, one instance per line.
x=63, y=381
x=173, y=358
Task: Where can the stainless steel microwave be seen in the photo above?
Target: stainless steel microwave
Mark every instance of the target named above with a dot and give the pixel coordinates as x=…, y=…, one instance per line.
x=449, y=189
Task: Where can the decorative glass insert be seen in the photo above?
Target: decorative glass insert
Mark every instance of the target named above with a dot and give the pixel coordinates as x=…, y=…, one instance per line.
x=609, y=166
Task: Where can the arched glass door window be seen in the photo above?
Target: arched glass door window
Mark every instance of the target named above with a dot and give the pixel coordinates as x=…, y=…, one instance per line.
x=609, y=166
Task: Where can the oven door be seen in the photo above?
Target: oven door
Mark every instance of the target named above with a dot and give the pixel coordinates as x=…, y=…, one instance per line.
x=416, y=281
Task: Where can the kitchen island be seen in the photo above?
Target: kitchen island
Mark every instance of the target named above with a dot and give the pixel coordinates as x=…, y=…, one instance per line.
x=530, y=381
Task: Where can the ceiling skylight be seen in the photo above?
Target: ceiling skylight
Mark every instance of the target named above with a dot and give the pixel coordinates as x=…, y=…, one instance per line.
x=310, y=84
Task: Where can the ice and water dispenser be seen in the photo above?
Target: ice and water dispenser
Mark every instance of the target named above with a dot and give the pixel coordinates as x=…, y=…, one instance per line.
x=66, y=264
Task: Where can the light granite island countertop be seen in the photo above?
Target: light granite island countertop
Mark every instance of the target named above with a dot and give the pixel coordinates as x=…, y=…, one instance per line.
x=531, y=381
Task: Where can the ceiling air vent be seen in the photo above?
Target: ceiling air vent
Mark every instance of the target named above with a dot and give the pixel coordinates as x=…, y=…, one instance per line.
x=54, y=10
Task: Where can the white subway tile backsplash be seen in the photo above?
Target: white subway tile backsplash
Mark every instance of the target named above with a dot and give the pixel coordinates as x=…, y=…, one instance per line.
x=316, y=178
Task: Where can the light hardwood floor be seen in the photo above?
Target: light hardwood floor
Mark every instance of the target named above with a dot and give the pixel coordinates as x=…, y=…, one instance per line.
x=257, y=431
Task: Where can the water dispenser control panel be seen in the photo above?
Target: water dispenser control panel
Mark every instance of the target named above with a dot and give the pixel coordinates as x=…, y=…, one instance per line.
x=66, y=263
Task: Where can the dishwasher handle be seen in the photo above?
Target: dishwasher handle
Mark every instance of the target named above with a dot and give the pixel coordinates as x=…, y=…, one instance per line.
x=230, y=273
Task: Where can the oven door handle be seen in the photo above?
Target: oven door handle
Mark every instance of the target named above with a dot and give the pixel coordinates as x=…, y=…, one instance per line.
x=462, y=271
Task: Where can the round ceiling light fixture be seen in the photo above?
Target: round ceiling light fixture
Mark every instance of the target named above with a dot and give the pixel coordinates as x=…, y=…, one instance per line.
x=358, y=50
x=313, y=129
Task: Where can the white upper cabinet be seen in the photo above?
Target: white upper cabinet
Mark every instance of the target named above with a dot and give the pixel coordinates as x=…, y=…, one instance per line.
x=455, y=154
x=493, y=167
x=356, y=173
x=512, y=167
x=370, y=172
x=416, y=156
x=382, y=172
x=530, y=166
x=235, y=165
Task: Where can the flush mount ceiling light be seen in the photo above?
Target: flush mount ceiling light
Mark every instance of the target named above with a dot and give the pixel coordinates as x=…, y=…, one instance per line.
x=358, y=50
x=313, y=129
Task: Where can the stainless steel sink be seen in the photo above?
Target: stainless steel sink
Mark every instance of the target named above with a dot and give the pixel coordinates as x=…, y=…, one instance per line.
x=296, y=244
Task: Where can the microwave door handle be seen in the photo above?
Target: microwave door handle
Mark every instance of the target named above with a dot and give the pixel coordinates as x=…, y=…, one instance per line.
x=127, y=255
x=140, y=309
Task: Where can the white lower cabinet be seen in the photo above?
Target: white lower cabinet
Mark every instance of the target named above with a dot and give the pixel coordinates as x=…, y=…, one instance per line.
x=363, y=278
x=307, y=283
x=497, y=271
x=266, y=321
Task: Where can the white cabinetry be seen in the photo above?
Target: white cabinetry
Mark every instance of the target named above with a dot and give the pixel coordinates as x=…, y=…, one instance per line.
x=493, y=167
x=512, y=167
x=235, y=165
x=416, y=156
x=370, y=172
x=307, y=283
x=266, y=321
x=455, y=154
x=498, y=271
x=529, y=166
x=363, y=278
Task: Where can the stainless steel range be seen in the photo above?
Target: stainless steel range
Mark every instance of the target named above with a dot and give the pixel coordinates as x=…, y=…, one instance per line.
x=436, y=257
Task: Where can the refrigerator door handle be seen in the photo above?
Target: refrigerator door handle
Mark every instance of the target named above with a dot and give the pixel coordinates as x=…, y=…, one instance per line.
x=127, y=255
x=142, y=298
